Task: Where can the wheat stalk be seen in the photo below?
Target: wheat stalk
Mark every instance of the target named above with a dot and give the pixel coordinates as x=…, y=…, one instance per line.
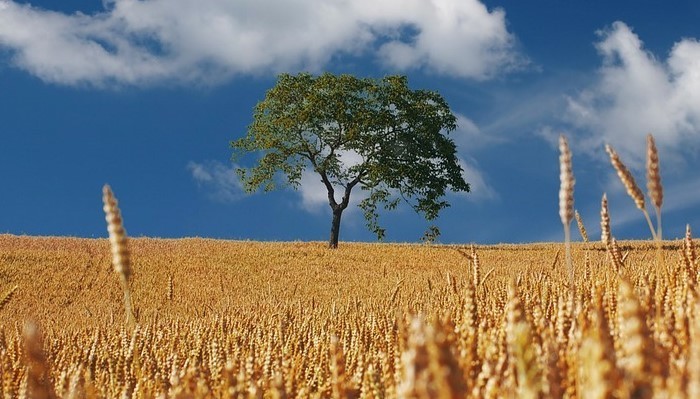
x=337, y=364
x=476, y=268
x=581, y=227
x=654, y=188
x=604, y=221
x=566, y=199
x=689, y=257
x=615, y=255
x=416, y=379
x=121, y=260
x=521, y=351
x=171, y=288
x=694, y=354
x=637, y=346
x=598, y=373
x=39, y=384
x=630, y=185
x=688, y=247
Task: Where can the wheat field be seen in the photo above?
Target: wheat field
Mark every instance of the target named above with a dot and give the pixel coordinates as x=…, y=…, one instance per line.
x=220, y=319
x=198, y=318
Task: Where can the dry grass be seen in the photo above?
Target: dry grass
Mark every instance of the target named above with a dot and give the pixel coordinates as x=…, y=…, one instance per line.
x=295, y=320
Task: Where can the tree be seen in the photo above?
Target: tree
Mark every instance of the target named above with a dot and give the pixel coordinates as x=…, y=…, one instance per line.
x=394, y=135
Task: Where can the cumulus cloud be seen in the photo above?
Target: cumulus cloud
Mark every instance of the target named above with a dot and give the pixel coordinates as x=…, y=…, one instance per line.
x=459, y=38
x=636, y=93
x=314, y=197
x=147, y=41
x=469, y=136
x=219, y=181
x=480, y=190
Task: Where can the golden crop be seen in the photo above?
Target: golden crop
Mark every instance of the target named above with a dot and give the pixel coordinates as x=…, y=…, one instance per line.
x=285, y=320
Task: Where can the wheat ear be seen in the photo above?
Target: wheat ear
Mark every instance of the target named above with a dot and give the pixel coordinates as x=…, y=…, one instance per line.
x=171, y=288
x=566, y=199
x=689, y=256
x=39, y=384
x=640, y=362
x=694, y=354
x=654, y=188
x=476, y=268
x=521, y=351
x=688, y=248
x=581, y=227
x=337, y=364
x=604, y=221
x=615, y=255
x=630, y=185
x=121, y=260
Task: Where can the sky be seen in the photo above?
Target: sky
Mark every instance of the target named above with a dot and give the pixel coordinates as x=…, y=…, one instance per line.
x=146, y=95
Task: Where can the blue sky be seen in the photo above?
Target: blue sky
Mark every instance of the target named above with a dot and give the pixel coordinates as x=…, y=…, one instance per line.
x=146, y=95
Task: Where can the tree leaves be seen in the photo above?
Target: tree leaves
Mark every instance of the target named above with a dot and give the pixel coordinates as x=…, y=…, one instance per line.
x=398, y=135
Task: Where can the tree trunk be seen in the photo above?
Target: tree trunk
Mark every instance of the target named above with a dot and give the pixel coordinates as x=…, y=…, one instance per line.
x=335, y=228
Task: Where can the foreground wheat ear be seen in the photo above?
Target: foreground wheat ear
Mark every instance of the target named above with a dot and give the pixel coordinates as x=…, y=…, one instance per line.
x=37, y=380
x=121, y=260
x=566, y=199
x=630, y=185
x=654, y=188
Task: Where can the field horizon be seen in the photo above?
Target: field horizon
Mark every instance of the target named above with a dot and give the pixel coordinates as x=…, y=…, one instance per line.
x=77, y=265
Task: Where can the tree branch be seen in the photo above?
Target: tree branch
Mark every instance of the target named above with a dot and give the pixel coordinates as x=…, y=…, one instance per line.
x=349, y=187
x=331, y=191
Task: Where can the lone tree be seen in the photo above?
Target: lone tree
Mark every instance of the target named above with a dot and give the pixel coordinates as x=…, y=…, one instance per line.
x=376, y=134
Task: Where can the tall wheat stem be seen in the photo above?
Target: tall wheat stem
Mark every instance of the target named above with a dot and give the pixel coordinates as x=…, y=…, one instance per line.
x=655, y=191
x=120, y=251
x=654, y=187
x=566, y=200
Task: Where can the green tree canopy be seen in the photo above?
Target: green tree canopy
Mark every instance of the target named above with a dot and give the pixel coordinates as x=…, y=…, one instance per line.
x=395, y=136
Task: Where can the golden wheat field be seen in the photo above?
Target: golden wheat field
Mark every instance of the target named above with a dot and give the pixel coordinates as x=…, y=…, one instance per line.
x=224, y=319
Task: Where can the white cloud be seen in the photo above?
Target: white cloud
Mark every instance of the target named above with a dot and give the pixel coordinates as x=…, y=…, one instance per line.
x=314, y=197
x=636, y=94
x=479, y=190
x=143, y=42
x=469, y=137
x=459, y=38
x=220, y=181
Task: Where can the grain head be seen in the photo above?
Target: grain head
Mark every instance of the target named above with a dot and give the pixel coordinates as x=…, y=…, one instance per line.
x=581, y=227
x=626, y=177
x=604, y=221
x=654, y=188
x=566, y=180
